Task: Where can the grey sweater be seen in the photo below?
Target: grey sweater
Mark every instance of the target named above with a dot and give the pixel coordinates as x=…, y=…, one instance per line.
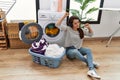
x=72, y=37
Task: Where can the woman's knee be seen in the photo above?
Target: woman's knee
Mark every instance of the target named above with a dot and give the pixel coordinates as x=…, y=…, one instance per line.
x=72, y=53
x=88, y=50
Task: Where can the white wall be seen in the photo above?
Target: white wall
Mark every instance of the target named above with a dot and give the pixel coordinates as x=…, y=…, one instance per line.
x=109, y=20
x=22, y=10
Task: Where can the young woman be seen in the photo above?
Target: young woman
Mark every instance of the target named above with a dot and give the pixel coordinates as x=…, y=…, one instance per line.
x=73, y=42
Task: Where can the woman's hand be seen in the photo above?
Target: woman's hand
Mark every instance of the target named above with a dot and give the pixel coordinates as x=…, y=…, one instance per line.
x=62, y=18
x=66, y=14
x=87, y=25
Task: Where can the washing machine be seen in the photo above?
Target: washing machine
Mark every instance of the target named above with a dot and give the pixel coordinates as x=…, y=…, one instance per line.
x=47, y=20
x=44, y=28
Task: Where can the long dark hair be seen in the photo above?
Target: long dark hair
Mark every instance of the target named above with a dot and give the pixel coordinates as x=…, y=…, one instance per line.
x=70, y=23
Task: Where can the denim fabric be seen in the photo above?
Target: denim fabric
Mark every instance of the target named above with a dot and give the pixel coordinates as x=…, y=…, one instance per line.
x=70, y=55
x=83, y=54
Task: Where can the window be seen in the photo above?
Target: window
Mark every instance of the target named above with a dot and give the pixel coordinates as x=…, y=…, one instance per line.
x=73, y=6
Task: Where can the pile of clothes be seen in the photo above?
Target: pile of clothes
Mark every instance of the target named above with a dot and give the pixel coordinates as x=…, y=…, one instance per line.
x=44, y=48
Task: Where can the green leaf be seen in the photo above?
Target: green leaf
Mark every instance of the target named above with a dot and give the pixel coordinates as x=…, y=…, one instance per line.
x=79, y=1
x=83, y=7
x=89, y=19
x=86, y=3
x=91, y=10
x=90, y=1
x=79, y=15
x=81, y=12
x=74, y=12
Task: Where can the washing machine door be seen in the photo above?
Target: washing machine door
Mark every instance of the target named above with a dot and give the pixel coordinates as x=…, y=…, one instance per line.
x=52, y=33
x=30, y=33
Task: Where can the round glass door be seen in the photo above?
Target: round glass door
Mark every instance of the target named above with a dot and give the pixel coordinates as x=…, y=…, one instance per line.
x=31, y=32
x=51, y=30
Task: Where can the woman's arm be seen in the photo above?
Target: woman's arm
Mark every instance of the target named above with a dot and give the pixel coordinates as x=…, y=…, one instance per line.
x=87, y=25
x=58, y=23
x=89, y=31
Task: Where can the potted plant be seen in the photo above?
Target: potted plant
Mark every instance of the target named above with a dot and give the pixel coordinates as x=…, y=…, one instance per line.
x=84, y=10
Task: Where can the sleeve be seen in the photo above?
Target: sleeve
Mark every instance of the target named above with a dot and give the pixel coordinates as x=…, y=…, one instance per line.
x=86, y=32
x=62, y=27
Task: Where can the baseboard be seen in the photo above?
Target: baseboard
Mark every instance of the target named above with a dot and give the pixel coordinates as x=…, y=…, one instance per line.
x=101, y=38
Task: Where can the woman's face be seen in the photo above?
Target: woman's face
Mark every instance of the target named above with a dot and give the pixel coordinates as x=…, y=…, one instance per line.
x=76, y=23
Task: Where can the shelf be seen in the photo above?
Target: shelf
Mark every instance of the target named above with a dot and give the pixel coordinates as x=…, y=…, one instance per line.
x=2, y=41
x=3, y=36
x=5, y=7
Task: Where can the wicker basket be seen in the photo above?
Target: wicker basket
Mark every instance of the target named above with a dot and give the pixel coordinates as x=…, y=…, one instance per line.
x=16, y=43
x=13, y=30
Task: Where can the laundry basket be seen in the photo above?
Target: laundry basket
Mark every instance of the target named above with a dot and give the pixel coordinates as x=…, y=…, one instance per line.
x=46, y=61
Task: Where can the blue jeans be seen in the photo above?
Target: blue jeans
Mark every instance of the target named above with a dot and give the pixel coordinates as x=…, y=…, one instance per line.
x=83, y=54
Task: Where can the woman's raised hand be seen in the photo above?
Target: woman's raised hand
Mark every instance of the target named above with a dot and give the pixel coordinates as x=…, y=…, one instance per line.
x=87, y=25
x=66, y=14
